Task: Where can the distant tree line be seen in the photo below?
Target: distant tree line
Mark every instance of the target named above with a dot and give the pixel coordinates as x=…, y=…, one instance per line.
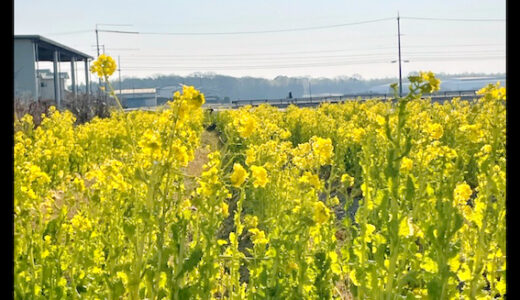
x=228, y=87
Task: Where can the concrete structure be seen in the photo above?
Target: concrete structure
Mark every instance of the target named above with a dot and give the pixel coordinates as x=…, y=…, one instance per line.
x=30, y=49
x=46, y=83
x=132, y=98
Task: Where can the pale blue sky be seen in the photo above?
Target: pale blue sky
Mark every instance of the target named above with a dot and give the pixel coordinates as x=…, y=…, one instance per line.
x=365, y=49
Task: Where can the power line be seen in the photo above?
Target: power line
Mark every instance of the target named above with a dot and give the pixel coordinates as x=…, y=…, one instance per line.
x=256, y=54
x=235, y=55
x=249, y=32
x=457, y=45
x=455, y=20
x=145, y=58
x=105, y=24
x=297, y=29
x=267, y=31
x=70, y=32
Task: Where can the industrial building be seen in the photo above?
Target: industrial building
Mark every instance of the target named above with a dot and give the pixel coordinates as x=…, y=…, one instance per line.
x=133, y=98
x=33, y=84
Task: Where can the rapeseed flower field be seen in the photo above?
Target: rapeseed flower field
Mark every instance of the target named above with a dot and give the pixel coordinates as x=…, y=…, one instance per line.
x=372, y=199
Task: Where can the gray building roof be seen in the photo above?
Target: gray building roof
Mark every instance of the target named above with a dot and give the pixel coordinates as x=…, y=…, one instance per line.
x=46, y=49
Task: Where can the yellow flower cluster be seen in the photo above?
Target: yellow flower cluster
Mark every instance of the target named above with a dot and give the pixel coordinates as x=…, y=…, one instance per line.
x=430, y=78
x=434, y=130
x=321, y=213
x=195, y=97
x=104, y=66
x=239, y=175
x=462, y=193
x=245, y=125
x=260, y=175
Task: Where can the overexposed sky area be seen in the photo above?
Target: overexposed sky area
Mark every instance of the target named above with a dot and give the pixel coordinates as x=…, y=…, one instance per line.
x=273, y=37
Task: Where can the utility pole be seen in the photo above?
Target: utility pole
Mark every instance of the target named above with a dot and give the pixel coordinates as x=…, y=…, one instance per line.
x=399, y=46
x=97, y=40
x=97, y=46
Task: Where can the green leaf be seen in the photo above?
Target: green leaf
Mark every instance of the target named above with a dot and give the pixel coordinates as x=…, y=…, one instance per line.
x=434, y=289
x=410, y=189
x=118, y=289
x=390, y=170
x=410, y=279
x=191, y=262
x=51, y=229
x=457, y=224
x=408, y=145
x=58, y=292
x=81, y=289
x=185, y=292
x=129, y=229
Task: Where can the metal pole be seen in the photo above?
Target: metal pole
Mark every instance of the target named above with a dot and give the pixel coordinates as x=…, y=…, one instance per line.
x=97, y=45
x=73, y=75
x=36, y=81
x=87, y=84
x=97, y=40
x=399, y=46
x=56, y=79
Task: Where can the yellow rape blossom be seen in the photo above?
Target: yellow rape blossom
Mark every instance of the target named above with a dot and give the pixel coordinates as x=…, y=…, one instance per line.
x=311, y=179
x=405, y=227
x=406, y=165
x=347, y=180
x=501, y=286
x=464, y=273
x=473, y=132
x=151, y=143
x=454, y=263
x=358, y=134
x=258, y=237
x=429, y=265
x=245, y=124
x=104, y=66
x=435, y=130
x=239, y=175
x=322, y=148
x=195, y=98
x=260, y=176
x=321, y=212
x=462, y=193
x=429, y=77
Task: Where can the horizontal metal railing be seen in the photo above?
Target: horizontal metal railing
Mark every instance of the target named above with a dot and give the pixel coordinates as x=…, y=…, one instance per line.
x=466, y=94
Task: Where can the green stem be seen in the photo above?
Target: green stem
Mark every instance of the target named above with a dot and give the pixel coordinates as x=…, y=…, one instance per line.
x=113, y=93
